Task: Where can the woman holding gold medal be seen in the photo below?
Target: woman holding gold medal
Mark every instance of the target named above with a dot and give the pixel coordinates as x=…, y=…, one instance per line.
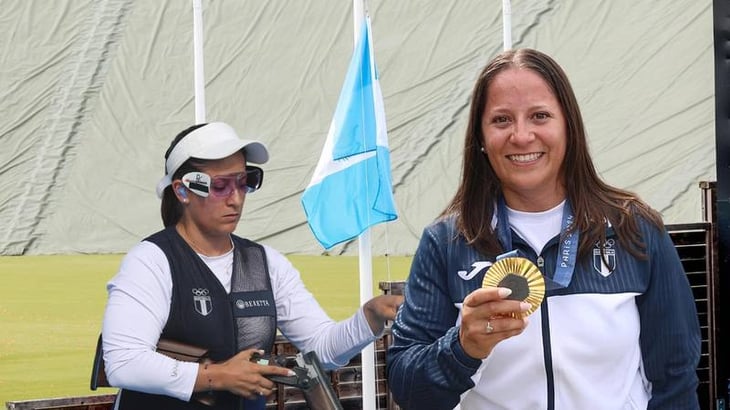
x=540, y=286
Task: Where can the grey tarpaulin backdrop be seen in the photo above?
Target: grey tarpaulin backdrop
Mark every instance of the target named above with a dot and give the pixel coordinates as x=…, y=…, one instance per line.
x=92, y=92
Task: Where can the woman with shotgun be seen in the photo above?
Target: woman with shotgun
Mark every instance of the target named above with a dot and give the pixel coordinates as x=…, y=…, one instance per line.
x=197, y=283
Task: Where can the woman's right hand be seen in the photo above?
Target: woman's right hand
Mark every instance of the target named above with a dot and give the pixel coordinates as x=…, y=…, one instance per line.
x=240, y=375
x=486, y=320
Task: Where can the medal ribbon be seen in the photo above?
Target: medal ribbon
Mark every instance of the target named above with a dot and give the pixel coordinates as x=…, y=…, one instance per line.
x=568, y=250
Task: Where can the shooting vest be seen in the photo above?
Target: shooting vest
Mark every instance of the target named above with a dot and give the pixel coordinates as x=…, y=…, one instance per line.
x=204, y=315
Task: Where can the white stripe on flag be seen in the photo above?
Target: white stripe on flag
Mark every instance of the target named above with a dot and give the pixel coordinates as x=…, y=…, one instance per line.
x=351, y=188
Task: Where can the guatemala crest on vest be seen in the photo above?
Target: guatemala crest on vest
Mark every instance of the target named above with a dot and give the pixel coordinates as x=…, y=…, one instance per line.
x=202, y=301
x=605, y=262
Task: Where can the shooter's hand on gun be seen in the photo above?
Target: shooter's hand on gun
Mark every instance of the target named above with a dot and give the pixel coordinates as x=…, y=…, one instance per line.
x=309, y=378
x=240, y=375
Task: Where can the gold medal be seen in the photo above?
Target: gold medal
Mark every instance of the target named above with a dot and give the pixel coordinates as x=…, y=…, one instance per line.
x=520, y=275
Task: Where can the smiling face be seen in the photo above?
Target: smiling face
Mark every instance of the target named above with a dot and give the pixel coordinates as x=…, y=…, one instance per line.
x=525, y=139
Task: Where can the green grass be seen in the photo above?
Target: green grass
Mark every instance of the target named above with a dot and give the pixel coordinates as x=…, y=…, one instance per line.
x=51, y=310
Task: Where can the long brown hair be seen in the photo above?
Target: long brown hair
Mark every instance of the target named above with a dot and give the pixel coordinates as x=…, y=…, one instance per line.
x=593, y=201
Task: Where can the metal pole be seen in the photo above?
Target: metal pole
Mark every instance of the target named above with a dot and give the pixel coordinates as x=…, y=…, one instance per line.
x=721, y=19
x=198, y=74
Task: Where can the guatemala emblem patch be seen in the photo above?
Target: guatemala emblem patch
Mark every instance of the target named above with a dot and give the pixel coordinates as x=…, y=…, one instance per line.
x=202, y=301
x=605, y=262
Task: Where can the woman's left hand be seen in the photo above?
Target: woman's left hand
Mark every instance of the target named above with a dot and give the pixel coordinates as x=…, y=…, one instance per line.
x=380, y=309
x=487, y=319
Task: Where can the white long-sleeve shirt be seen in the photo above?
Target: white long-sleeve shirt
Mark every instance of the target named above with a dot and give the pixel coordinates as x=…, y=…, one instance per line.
x=139, y=303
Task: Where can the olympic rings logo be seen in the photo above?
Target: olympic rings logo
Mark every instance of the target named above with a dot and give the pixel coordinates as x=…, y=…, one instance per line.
x=200, y=292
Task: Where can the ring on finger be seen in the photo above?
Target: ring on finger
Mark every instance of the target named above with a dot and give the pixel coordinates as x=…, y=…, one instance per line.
x=489, y=328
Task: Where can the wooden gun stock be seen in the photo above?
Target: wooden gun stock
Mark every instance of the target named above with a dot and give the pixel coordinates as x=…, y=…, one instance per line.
x=176, y=350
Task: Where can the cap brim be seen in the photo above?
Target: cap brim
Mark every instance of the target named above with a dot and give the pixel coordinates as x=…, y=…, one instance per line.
x=254, y=151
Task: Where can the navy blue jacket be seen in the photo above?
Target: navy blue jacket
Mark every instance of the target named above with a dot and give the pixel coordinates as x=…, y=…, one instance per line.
x=575, y=345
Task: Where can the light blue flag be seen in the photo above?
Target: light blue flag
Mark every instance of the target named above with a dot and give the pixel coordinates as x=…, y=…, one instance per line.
x=351, y=189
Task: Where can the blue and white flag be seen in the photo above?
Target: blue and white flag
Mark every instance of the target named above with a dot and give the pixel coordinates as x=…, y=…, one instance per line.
x=351, y=190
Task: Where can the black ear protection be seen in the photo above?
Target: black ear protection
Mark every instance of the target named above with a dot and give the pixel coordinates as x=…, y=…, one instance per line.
x=182, y=193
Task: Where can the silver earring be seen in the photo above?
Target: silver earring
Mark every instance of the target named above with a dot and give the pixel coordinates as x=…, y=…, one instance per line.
x=481, y=149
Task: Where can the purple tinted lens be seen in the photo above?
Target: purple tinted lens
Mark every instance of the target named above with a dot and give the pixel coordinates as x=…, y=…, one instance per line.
x=246, y=182
x=221, y=186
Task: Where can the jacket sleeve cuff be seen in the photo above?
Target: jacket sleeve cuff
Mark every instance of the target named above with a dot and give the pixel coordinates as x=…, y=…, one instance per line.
x=458, y=351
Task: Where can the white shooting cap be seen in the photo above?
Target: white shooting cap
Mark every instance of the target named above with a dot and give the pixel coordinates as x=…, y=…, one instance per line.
x=215, y=140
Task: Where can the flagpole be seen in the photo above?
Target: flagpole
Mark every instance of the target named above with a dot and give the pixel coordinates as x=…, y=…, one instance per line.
x=358, y=15
x=355, y=163
x=367, y=354
x=198, y=75
x=366, y=293
x=506, y=25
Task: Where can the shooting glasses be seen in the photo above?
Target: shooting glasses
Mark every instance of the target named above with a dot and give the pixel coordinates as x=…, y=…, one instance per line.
x=222, y=186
